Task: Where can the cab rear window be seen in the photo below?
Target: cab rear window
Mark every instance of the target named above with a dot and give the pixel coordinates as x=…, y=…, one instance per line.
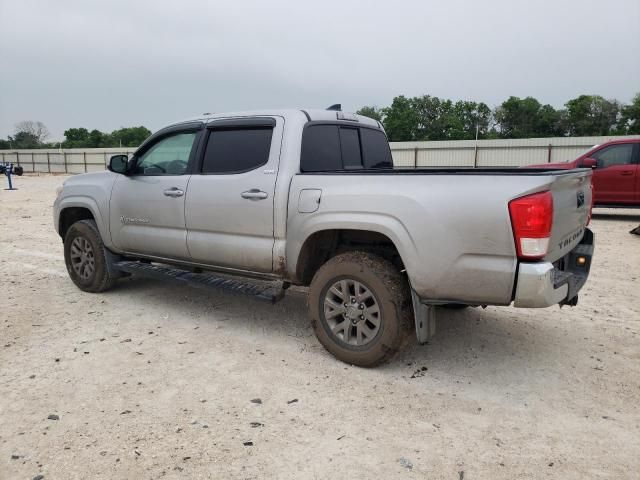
x=337, y=147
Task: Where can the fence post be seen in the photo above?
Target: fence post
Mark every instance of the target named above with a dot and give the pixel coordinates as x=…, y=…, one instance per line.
x=84, y=160
x=48, y=163
x=33, y=163
x=64, y=159
x=415, y=157
x=549, y=154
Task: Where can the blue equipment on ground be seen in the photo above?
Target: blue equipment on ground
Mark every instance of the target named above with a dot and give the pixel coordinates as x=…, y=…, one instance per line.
x=8, y=169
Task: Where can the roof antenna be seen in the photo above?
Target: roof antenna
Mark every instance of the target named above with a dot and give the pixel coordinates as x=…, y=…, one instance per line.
x=337, y=107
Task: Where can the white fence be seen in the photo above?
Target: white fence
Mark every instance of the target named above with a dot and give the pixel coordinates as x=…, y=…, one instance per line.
x=460, y=153
x=494, y=153
x=70, y=160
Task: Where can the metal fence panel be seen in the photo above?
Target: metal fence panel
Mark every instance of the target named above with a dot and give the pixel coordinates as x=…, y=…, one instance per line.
x=450, y=153
x=403, y=157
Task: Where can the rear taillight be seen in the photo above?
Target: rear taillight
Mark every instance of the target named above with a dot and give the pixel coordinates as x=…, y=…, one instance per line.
x=531, y=220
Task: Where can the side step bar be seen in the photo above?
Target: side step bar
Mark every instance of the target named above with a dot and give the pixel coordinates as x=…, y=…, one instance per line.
x=268, y=291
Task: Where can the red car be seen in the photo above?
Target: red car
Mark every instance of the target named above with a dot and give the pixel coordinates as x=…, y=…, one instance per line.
x=616, y=172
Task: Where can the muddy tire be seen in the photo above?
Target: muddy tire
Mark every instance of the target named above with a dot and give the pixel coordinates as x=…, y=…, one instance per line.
x=359, y=306
x=86, y=257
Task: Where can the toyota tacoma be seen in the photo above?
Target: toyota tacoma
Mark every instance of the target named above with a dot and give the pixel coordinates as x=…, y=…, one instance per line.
x=254, y=202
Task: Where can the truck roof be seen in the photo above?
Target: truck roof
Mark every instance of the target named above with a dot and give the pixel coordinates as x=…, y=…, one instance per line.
x=311, y=114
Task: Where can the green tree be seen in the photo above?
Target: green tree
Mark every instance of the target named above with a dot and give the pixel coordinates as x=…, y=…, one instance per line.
x=97, y=139
x=130, y=136
x=401, y=120
x=83, y=138
x=630, y=118
x=469, y=115
x=24, y=140
x=526, y=118
x=435, y=117
x=371, y=112
x=76, y=138
x=589, y=115
x=549, y=122
x=432, y=118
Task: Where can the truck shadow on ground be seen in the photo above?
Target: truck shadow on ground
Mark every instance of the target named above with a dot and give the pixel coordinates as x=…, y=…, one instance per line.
x=491, y=340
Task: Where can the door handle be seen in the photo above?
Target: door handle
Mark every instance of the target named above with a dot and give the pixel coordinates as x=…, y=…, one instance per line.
x=626, y=172
x=173, y=192
x=254, y=194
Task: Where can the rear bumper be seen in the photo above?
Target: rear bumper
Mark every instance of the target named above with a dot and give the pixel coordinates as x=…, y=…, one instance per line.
x=544, y=284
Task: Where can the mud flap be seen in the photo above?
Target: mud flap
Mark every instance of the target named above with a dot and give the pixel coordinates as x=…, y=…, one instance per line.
x=425, y=318
x=112, y=259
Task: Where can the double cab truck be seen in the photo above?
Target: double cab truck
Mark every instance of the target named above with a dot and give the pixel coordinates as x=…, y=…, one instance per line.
x=616, y=172
x=257, y=201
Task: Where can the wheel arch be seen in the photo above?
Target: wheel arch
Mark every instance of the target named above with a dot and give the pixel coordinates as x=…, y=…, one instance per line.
x=74, y=209
x=325, y=241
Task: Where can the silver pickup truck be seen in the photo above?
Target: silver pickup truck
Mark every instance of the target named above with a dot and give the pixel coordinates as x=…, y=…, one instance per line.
x=257, y=201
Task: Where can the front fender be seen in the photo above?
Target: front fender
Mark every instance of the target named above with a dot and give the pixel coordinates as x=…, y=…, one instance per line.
x=82, y=201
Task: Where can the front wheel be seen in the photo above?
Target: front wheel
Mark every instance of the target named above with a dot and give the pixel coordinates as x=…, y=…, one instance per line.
x=86, y=257
x=359, y=308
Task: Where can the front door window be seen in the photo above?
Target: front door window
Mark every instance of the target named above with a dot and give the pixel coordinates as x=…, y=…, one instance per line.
x=614, y=155
x=169, y=156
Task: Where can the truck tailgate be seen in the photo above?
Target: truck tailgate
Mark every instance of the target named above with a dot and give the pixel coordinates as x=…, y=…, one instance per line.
x=571, y=207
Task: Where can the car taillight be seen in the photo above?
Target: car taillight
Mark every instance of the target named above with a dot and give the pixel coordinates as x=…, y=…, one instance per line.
x=531, y=220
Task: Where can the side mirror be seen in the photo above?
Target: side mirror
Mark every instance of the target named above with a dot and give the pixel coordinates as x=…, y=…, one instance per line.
x=589, y=163
x=119, y=164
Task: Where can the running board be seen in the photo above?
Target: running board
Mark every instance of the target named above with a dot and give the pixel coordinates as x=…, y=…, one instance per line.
x=266, y=291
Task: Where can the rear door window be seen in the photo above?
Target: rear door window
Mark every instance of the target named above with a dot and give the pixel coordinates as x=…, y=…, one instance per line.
x=321, y=149
x=236, y=150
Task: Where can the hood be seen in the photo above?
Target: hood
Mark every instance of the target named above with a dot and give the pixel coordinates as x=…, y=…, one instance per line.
x=89, y=178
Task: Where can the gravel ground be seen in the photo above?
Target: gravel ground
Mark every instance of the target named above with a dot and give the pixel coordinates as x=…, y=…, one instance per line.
x=154, y=380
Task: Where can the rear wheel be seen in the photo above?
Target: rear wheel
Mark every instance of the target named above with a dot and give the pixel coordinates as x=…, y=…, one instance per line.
x=86, y=257
x=359, y=308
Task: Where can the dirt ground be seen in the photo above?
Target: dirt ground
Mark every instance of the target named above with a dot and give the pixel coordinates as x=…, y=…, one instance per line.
x=153, y=380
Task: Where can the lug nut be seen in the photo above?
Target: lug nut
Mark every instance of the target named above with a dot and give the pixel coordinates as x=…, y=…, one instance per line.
x=361, y=306
x=353, y=300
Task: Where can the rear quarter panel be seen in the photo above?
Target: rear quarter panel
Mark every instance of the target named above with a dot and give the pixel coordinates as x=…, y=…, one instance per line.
x=453, y=232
